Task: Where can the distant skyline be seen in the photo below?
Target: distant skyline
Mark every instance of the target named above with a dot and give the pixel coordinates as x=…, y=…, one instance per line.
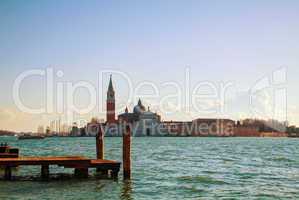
x=248, y=44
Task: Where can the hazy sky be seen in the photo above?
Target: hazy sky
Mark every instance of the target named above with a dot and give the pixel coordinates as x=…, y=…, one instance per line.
x=242, y=43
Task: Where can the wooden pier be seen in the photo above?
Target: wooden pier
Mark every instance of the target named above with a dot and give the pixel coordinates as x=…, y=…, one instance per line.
x=78, y=163
x=9, y=158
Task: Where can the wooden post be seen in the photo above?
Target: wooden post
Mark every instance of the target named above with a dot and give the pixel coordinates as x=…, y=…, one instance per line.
x=7, y=173
x=81, y=172
x=127, y=153
x=45, y=172
x=100, y=149
x=100, y=143
x=114, y=173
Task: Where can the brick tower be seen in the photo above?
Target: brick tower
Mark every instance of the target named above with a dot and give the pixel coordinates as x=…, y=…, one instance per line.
x=110, y=116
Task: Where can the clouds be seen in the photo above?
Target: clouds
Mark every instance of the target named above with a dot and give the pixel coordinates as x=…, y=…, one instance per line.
x=293, y=115
x=13, y=119
x=6, y=115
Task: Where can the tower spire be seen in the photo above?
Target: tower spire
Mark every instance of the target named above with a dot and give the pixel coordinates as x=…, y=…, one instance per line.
x=110, y=103
x=110, y=87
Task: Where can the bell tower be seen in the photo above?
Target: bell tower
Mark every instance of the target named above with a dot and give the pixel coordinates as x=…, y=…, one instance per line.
x=110, y=103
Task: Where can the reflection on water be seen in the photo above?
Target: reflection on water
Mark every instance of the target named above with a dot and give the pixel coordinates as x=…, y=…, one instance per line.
x=167, y=168
x=126, y=192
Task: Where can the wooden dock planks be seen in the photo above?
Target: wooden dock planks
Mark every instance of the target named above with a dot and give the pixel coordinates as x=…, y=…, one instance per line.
x=60, y=160
x=79, y=163
x=9, y=155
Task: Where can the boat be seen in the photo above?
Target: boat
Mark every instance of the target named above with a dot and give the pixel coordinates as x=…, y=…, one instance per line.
x=28, y=136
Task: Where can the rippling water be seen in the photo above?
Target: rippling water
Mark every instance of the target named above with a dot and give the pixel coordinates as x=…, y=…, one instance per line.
x=168, y=168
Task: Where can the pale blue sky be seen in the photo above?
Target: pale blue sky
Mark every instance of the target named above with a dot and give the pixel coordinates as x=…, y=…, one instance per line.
x=239, y=41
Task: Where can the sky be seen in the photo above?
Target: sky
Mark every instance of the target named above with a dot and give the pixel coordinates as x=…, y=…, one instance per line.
x=240, y=57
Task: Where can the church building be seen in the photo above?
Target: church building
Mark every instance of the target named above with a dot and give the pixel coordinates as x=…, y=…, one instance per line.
x=143, y=121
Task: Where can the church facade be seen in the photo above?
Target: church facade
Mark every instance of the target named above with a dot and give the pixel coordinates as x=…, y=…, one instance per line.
x=143, y=122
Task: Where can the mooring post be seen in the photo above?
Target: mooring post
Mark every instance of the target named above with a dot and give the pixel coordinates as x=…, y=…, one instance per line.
x=127, y=153
x=45, y=172
x=114, y=173
x=81, y=172
x=100, y=143
x=100, y=148
x=7, y=173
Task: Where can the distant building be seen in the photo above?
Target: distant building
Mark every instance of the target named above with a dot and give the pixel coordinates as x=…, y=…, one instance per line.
x=75, y=131
x=246, y=130
x=92, y=129
x=173, y=128
x=213, y=127
x=65, y=129
x=144, y=122
x=40, y=130
x=198, y=127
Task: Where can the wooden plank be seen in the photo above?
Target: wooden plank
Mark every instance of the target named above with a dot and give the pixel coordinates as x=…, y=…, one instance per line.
x=45, y=172
x=105, y=164
x=79, y=163
x=99, y=161
x=68, y=162
x=8, y=155
x=60, y=160
x=7, y=173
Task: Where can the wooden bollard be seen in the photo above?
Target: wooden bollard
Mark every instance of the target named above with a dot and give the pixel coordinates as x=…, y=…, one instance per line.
x=100, y=148
x=100, y=143
x=45, y=172
x=7, y=173
x=81, y=172
x=127, y=153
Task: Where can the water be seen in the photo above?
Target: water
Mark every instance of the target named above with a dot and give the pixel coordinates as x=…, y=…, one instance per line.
x=168, y=168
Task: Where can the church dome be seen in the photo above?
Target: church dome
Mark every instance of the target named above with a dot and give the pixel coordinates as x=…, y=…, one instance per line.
x=139, y=108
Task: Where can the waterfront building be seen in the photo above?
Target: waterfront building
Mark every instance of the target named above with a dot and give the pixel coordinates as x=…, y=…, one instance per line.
x=175, y=128
x=40, y=130
x=144, y=122
x=198, y=127
x=213, y=127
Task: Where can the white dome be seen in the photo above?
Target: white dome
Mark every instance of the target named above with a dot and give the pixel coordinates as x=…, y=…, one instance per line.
x=139, y=108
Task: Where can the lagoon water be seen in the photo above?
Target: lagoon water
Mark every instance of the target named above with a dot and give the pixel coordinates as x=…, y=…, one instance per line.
x=167, y=168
